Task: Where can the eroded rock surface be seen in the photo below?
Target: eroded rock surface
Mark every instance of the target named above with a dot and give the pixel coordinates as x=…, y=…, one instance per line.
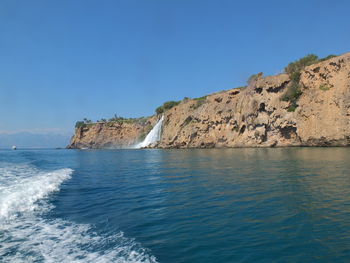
x=257, y=117
x=254, y=116
x=111, y=134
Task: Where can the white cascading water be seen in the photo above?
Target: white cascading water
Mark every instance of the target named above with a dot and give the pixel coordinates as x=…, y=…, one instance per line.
x=153, y=136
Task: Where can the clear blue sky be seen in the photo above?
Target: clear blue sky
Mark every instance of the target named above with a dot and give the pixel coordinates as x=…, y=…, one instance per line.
x=61, y=61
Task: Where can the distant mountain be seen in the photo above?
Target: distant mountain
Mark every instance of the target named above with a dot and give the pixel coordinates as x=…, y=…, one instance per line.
x=33, y=140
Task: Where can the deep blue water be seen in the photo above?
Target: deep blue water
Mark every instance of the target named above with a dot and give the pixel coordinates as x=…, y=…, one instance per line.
x=227, y=205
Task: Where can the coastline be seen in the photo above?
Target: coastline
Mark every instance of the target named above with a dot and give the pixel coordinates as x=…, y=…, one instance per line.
x=256, y=116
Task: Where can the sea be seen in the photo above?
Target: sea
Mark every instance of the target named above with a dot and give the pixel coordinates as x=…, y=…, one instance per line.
x=191, y=205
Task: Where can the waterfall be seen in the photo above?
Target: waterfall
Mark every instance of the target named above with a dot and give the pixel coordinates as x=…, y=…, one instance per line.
x=153, y=136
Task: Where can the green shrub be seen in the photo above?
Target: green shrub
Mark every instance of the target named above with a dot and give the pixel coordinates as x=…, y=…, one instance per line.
x=292, y=108
x=236, y=129
x=187, y=121
x=167, y=106
x=293, y=93
x=160, y=110
x=328, y=57
x=120, y=119
x=199, y=102
x=84, y=123
x=200, y=98
x=299, y=64
x=324, y=87
x=79, y=124
x=87, y=121
x=141, y=120
x=116, y=118
x=293, y=69
x=254, y=78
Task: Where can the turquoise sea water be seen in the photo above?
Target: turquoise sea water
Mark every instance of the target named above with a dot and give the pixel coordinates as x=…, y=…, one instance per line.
x=227, y=205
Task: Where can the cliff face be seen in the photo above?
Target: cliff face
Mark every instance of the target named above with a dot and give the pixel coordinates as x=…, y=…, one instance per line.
x=323, y=117
x=255, y=116
x=111, y=134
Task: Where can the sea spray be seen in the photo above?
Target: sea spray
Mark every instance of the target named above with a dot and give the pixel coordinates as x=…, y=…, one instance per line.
x=22, y=186
x=153, y=136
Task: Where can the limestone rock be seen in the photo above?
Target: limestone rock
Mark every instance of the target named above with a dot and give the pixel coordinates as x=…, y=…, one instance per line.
x=111, y=134
x=254, y=116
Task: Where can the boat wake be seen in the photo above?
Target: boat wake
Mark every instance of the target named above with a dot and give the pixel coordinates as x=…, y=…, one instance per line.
x=26, y=235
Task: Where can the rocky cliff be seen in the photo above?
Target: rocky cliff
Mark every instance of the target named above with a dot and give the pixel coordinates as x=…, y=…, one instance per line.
x=254, y=116
x=112, y=134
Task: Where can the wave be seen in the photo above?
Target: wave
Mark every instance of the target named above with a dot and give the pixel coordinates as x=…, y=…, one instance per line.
x=22, y=186
x=26, y=236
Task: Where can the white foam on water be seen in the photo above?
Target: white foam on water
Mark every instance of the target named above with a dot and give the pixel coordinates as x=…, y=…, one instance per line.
x=27, y=236
x=153, y=136
x=22, y=186
x=39, y=240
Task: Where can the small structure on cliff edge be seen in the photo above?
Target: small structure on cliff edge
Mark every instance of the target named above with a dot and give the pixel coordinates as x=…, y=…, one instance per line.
x=153, y=136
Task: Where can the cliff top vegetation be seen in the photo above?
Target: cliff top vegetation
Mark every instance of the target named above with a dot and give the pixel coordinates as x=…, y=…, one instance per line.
x=115, y=119
x=294, y=69
x=292, y=94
